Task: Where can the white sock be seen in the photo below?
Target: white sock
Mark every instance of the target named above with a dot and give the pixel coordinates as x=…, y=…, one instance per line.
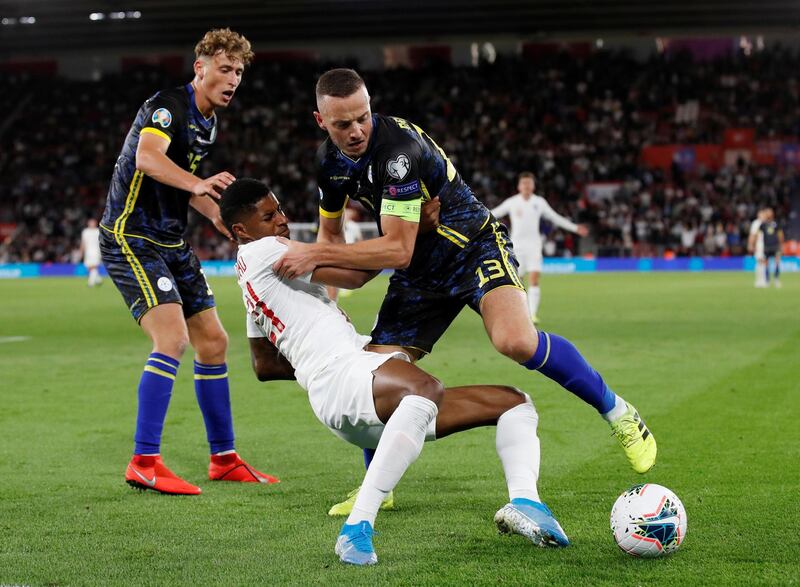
x=399, y=446
x=534, y=295
x=518, y=448
x=615, y=413
x=761, y=271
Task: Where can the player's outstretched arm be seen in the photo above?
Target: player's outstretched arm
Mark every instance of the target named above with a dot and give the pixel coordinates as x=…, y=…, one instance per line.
x=152, y=160
x=268, y=363
x=504, y=209
x=209, y=208
x=561, y=221
x=393, y=250
x=342, y=278
x=331, y=230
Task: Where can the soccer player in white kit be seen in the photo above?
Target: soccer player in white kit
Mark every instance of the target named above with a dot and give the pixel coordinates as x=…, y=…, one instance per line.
x=525, y=210
x=765, y=241
x=372, y=400
x=90, y=251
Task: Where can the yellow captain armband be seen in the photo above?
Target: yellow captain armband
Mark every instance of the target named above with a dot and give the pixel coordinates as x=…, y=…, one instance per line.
x=407, y=210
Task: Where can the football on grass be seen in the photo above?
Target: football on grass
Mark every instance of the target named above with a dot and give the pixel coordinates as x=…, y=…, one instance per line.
x=648, y=520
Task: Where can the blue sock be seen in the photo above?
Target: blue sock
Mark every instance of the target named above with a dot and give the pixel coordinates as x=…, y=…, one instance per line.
x=558, y=359
x=777, y=273
x=155, y=390
x=214, y=398
x=368, y=454
x=766, y=270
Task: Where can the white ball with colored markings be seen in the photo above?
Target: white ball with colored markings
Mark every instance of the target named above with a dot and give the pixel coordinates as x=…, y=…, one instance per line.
x=648, y=521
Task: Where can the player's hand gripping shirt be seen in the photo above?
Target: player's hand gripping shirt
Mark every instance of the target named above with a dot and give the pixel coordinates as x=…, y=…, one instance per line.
x=140, y=206
x=297, y=316
x=526, y=216
x=402, y=168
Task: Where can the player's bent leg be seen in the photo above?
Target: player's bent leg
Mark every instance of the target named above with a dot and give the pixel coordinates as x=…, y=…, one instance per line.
x=343, y=508
x=165, y=326
x=473, y=406
x=503, y=312
x=517, y=445
x=461, y=408
x=210, y=342
x=406, y=399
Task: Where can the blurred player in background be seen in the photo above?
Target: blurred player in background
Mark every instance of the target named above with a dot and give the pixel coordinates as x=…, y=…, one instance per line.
x=392, y=167
x=157, y=272
x=373, y=400
x=525, y=210
x=90, y=252
x=766, y=242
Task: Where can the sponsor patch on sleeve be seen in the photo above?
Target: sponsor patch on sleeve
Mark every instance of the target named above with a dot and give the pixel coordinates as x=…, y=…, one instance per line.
x=404, y=189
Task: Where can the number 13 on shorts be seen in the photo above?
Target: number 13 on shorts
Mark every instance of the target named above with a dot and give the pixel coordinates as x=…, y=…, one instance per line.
x=493, y=270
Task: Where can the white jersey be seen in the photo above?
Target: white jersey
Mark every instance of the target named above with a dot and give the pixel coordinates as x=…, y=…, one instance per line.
x=755, y=229
x=296, y=315
x=90, y=240
x=525, y=216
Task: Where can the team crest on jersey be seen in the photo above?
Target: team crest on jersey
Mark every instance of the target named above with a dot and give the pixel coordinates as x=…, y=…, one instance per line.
x=398, y=167
x=164, y=283
x=162, y=117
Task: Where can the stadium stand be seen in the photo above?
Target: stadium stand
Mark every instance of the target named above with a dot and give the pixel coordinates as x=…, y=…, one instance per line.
x=663, y=156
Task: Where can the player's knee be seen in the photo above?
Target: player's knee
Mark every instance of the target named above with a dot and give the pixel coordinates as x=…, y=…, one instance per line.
x=172, y=346
x=515, y=346
x=212, y=348
x=515, y=397
x=428, y=387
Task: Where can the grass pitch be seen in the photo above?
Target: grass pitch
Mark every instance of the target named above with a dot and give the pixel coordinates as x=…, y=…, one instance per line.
x=711, y=363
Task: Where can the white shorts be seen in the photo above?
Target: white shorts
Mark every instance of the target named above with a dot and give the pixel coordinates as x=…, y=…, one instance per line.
x=92, y=260
x=529, y=256
x=341, y=397
x=759, y=252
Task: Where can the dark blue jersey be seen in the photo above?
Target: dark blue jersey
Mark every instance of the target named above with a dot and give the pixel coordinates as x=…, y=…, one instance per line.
x=402, y=168
x=137, y=205
x=770, y=232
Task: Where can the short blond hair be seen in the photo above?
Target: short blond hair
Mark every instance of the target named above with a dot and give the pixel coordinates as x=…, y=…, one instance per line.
x=226, y=41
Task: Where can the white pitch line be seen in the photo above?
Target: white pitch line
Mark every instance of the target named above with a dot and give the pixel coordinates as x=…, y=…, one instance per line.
x=13, y=339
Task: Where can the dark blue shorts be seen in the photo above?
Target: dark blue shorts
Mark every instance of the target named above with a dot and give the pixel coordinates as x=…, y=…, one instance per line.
x=419, y=308
x=147, y=274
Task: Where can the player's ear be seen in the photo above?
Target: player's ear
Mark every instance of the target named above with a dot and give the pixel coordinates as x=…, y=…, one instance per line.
x=199, y=69
x=320, y=122
x=240, y=232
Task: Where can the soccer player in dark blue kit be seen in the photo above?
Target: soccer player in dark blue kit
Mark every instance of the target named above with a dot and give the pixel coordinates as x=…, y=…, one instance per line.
x=157, y=272
x=393, y=167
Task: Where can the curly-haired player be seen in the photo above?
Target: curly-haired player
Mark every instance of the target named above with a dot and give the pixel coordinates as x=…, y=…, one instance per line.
x=156, y=271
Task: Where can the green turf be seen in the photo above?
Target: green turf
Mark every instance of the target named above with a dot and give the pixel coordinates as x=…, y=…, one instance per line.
x=711, y=362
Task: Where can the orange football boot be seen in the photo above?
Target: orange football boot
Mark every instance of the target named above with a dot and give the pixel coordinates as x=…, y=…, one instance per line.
x=150, y=472
x=231, y=467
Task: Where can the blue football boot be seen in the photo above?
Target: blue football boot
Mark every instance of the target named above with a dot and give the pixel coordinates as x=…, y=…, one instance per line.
x=354, y=545
x=533, y=520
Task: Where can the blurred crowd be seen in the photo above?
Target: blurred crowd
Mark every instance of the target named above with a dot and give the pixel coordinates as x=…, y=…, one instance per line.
x=572, y=121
